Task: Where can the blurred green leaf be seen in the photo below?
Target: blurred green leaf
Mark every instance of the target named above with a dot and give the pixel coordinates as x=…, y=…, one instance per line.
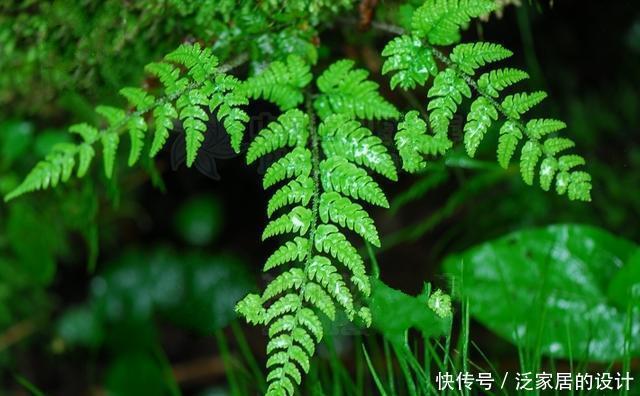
x=15, y=138
x=81, y=326
x=193, y=290
x=395, y=312
x=199, y=220
x=547, y=287
x=135, y=375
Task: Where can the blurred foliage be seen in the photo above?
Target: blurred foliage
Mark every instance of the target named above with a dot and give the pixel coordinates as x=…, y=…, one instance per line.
x=72, y=52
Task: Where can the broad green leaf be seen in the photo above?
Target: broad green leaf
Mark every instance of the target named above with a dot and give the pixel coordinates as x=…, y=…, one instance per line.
x=550, y=287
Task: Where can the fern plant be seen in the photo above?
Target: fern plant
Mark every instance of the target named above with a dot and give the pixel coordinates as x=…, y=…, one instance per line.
x=328, y=162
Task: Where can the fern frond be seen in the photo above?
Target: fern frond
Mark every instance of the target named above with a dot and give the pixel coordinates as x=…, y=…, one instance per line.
x=538, y=128
x=280, y=83
x=470, y=56
x=478, y=121
x=517, y=104
x=56, y=167
x=200, y=62
x=340, y=210
x=491, y=83
x=291, y=129
x=163, y=118
x=411, y=61
x=290, y=280
x=529, y=157
x=110, y=142
x=448, y=89
x=338, y=174
x=297, y=163
x=439, y=21
x=328, y=239
x=510, y=136
x=326, y=275
x=137, y=128
x=296, y=221
x=193, y=119
x=297, y=191
x=347, y=91
x=296, y=250
x=414, y=143
x=348, y=138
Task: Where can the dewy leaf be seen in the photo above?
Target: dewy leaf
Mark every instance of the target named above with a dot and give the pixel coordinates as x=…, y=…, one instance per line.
x=440, y=20
x=345, y=90
x=547, y=288
x=411, y=61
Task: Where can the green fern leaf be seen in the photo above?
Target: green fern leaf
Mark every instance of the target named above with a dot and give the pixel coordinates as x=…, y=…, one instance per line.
x=510, y=136
x=440, y=20
x=413, y=142
x=88, y=133
x=337, y=174
x=282, y=325
x=322, y=271
x=296, y=250
x=57, y=166
x=448, y=89
x=137, y=127
x=328, y=239
x=347, y=91
x=348, y=138
x=138, y=97
x=580, y=186
x=288, y=303
x=470, y=56
x=200, y=63
x=113, y=115
x=193, y=119
x=250, y=307
x=411, y=61
x=291, y=280
x=291, y=129
x=530, y=155
x=308, y=319
x=555, y=145
x=110, y=142
x=85, y=156
x=478, y=121
x=169, y=76
x=491, y=83
x=517, y=104
x=281, y=83
x=163, y=116
x=548, y=169
x=297, y=191
x=318, y=298
x=340, y=210
x=297, y=163
x=568, y=162
x=538, y=128
x=297, y=221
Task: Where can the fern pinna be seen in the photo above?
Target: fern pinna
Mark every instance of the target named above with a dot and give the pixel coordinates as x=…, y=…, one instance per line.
x=325, y=176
